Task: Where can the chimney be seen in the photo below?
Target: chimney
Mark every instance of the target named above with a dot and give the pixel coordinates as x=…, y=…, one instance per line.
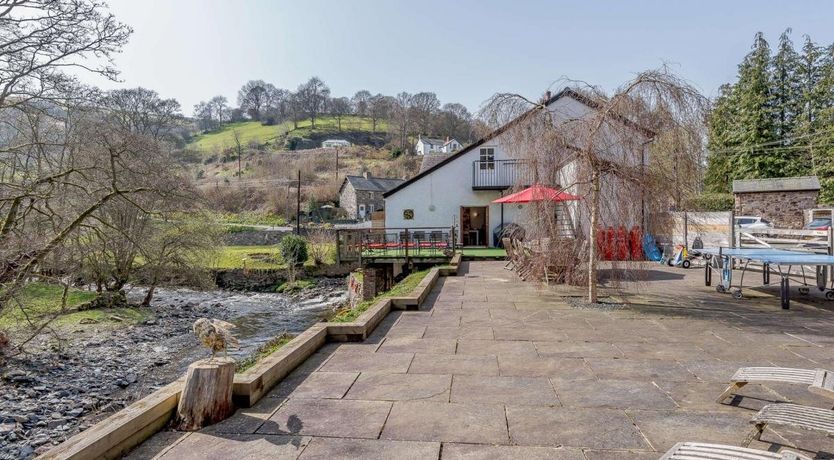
x=447, y=138
x=366, y=175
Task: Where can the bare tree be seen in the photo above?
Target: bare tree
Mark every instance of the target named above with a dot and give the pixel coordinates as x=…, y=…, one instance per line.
x=339, y=107
x=38, y=39
x=424, y=106
x=379, y=108
x=361, y=100
x=455, y=121
x=239, y=151
x=600, y=154
x=219, y=109
x=402, y=113
x=313, y=94
x=255, y=97
x=204, y=114
x=142, y=111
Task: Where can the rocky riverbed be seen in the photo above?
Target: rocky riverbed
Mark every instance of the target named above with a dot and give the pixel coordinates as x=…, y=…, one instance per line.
x=54, y=391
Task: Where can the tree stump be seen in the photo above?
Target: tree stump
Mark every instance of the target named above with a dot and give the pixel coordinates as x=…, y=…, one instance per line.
x=207, y=394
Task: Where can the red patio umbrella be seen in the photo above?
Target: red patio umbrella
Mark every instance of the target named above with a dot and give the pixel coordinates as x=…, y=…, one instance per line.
x=537, y=193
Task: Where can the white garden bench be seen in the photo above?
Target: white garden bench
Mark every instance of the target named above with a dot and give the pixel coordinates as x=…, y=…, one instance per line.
x=703, y=451
x=819, y=381
x=794, y=416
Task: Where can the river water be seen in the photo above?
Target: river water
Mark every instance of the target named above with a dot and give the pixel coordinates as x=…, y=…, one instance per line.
x=258, y=317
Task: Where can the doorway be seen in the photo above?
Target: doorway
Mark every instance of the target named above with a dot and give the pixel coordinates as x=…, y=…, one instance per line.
x=473, y=225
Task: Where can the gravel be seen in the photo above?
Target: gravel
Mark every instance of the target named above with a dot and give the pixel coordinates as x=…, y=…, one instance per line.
x=59, y=388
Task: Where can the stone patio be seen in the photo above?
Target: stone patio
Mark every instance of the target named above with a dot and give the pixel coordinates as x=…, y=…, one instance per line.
x=492, y=367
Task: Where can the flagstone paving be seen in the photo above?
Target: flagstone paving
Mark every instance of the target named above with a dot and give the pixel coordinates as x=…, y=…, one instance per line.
x=492, y=368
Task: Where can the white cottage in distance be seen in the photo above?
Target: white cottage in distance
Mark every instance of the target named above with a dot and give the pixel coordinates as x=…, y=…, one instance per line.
x=426, y=145
x=458, y=189
x=333, y=143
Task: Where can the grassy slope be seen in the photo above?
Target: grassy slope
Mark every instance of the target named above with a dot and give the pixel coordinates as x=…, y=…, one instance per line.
x=253, y=130
x=256, y=257
x=42, y=300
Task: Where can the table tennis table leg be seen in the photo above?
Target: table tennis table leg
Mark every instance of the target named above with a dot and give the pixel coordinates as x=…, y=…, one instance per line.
x=785, y=293
x=766, y=274
x=707, y=274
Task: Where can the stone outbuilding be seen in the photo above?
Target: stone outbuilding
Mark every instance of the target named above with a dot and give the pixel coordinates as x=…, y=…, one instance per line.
x=781, y=200
x=361, y=196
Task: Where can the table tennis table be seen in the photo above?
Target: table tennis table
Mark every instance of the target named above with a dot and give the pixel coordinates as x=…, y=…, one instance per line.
x=783, y=260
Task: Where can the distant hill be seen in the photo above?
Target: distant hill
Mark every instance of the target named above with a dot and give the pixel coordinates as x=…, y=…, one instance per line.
x=354, y=128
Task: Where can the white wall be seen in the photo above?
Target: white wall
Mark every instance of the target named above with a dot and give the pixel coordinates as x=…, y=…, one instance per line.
x=437, y=197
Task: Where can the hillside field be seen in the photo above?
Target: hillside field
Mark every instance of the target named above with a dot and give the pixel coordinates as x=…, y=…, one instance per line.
x=255, y=131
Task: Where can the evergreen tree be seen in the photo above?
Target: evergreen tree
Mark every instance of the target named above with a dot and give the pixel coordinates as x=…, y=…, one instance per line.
x=777, y=119
x=787, y=89
x=821, y=139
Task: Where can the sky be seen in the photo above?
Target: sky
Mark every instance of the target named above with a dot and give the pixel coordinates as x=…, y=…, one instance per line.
x=465, y=51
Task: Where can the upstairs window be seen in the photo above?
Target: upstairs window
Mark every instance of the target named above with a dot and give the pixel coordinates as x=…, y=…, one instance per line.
x=487, y=160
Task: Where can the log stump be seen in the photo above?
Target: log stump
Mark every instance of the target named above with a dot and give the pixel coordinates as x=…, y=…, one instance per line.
x=207, y=394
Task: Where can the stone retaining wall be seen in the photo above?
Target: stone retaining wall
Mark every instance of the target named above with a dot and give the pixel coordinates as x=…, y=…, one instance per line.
x=119, y=433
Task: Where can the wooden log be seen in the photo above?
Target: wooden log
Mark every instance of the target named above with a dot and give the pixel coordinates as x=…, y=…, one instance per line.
x=207, y=394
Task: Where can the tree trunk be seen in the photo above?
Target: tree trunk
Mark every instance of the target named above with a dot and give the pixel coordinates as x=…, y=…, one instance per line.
x=207, y=394
x=592, y=244
x=146, y=302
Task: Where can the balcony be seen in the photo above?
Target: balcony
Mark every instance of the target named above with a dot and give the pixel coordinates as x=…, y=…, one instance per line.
x=499, y=174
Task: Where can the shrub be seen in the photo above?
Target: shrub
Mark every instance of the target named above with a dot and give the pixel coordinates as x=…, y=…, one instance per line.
x=294, y=250
x=710, y=202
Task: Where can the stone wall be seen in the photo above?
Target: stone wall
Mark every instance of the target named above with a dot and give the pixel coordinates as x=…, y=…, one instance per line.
x=350, y=199
x=785, y=209
x=255, y=237
x=347, y=200
x=375, y=280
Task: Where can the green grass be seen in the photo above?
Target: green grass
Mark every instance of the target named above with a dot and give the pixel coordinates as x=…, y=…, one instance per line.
x=248, y=130
x=265, y=257
x=43, y=300
x=263, y=351
x=251, y=218
x=297, y=285
x=255, y=257
x=255, y=131
x=484, y=252
x=402, y=288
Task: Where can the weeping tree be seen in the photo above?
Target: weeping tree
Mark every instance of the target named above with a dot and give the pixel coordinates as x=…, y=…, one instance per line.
x=600, y=147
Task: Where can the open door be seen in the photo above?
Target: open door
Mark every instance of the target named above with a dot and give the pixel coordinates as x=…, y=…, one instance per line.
x=474, y=225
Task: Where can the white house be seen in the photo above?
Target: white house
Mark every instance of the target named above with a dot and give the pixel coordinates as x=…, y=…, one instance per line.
x=458, y=189
x=426, y=145
x=331, y=143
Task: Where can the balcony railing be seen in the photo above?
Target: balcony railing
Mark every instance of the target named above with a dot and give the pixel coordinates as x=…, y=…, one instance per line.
x=499, y=174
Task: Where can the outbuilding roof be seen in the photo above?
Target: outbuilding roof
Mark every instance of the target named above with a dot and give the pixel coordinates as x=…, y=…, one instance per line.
x=371, y=184
x=431, y=159
x=777, y=184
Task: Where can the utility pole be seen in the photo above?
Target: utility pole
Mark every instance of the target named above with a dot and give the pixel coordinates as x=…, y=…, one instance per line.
x=298, y=206
x=337, y=164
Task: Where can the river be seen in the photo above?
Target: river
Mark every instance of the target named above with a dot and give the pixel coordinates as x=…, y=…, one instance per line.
x=72, y=379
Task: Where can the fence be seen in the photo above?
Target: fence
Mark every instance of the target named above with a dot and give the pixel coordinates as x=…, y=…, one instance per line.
x=356, y=244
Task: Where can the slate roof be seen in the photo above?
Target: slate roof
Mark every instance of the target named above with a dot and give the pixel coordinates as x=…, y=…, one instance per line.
x=372, y=184
x=429, y=140
x=776, y=184
x=431, y=159
x=567, y=92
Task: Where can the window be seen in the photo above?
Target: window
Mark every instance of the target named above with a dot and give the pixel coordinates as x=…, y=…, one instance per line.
x=487, y=160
